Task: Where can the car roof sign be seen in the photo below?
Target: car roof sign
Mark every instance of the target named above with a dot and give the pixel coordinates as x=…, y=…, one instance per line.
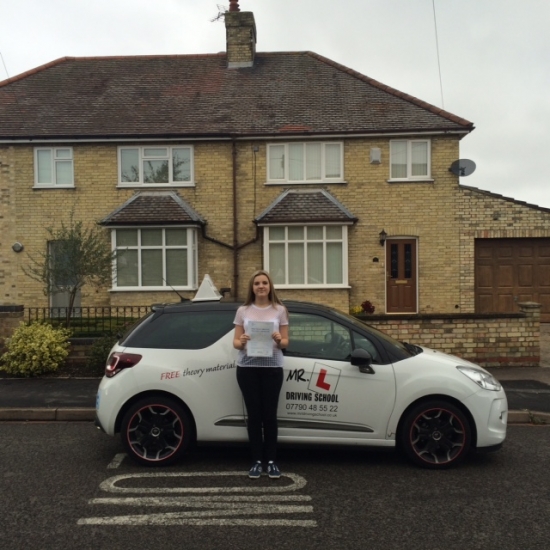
x=207, y=291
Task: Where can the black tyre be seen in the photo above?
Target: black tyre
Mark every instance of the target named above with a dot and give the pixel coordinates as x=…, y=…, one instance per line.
x=156, y=431
x=435, y=434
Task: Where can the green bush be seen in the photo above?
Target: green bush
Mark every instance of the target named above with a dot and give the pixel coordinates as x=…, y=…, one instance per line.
x=35, y=349
x=99, y=352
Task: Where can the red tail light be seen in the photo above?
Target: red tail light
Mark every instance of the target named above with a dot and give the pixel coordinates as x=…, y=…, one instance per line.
x=118, y=361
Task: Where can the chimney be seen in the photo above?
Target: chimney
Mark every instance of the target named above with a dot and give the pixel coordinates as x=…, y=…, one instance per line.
x=240, y=30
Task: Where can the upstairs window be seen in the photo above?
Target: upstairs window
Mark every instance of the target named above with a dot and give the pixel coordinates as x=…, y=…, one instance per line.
x=305, y=162
x=410, y=159
x=53, y=167
x=313, y=256
x=153, y=166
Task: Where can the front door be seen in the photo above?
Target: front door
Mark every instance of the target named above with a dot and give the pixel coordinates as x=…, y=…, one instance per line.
x=401, y=278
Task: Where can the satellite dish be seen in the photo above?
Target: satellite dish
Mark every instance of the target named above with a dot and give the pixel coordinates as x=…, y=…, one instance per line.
x=462, y=167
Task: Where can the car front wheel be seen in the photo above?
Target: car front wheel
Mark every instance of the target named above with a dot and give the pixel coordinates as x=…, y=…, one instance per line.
x=435, y=434
x=156, y=431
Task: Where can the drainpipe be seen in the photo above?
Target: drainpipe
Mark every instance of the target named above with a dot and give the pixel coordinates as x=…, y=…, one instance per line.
x=235, y=224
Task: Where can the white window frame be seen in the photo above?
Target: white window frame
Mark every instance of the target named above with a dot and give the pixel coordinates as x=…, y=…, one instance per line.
x=55, y=159
x=322, y=179
x=409, y=176
x=142, y=158
x=287, y=241
x=192, y=259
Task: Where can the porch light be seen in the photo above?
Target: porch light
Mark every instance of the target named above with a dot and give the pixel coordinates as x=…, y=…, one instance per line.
x=382, y=236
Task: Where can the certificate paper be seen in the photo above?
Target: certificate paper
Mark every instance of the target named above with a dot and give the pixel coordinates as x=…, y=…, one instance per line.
x=261, y=342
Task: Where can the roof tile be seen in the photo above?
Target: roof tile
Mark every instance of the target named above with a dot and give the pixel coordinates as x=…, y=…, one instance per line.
x=155, y=207
x=196, y=95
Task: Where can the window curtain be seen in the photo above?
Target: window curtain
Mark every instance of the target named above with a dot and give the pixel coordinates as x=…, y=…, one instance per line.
x=419, y=158
x=332, y=161
x=399, y=159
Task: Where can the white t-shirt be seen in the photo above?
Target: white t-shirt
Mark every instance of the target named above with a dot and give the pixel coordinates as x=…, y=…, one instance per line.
x=277, y=315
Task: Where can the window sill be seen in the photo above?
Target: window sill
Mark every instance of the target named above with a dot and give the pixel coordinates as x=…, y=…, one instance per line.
x=52, y=186
x=315, y=182
x=419, y=180
x=312, y=287
x=152, y=289
x=135, y=185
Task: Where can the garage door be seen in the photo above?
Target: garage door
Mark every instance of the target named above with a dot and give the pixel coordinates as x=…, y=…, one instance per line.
x=509, y=271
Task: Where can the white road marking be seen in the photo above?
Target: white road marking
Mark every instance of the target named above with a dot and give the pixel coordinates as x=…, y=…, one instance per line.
x=110, y=484
x=147, y=520
x=215, y=509
x=176, y=518
x=196, y=501
x=115, y=463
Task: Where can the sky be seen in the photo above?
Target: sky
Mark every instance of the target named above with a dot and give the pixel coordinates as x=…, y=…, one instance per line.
x=487, y=61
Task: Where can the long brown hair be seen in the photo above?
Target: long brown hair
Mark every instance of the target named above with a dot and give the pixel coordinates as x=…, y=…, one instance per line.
x=250, y=296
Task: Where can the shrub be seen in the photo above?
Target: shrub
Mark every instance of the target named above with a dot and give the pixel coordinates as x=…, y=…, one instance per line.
x=99, y=352
x=367, y=307
x=35, y=349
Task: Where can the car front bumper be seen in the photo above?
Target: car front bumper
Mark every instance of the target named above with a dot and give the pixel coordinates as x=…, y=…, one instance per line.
x=490, y=412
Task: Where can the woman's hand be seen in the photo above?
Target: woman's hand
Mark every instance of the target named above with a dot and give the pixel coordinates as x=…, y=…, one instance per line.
x=240, y=339
x=243, y=340
x=281, y=338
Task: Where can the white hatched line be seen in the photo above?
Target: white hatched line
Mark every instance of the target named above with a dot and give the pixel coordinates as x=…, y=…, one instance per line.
x=197, y=501
x=243, y=507
x=206, y=522
x=110, y=484
x=115, y=463
x=175, y=518
x=213, y=510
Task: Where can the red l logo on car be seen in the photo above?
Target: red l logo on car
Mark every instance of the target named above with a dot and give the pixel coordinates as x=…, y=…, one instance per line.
x=321, y=380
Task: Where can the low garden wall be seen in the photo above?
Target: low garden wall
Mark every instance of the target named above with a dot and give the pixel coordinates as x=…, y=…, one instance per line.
x=490, y=340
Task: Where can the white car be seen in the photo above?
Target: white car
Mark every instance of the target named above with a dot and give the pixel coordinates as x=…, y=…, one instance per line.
x=171, y=381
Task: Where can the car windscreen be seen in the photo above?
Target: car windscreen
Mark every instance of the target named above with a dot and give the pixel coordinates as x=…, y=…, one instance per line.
x=181, y=330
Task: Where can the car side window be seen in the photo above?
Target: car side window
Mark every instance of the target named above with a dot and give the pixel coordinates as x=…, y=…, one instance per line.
x=192, y=330
x=318, y=337
x=361, y=342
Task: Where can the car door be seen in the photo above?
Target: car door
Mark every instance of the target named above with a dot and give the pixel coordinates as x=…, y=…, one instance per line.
x=323, y=394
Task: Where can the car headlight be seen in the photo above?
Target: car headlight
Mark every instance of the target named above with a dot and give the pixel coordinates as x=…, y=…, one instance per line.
x=481, y=378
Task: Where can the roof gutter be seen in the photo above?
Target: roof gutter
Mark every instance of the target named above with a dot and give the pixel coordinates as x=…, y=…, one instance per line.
x=244, y=137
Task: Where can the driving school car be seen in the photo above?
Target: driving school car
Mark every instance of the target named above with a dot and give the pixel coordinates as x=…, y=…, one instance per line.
x=171, y=381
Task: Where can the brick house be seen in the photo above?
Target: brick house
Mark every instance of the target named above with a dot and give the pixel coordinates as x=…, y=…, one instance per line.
x=221, y=164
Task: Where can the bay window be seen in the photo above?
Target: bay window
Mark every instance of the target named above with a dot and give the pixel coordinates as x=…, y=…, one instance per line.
x=155, y=258
x=313, y=256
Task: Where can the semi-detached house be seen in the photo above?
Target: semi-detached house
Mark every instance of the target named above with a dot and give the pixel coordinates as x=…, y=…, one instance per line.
x=224, y=163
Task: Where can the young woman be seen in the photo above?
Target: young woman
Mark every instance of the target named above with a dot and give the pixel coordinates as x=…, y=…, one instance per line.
x=260, y=373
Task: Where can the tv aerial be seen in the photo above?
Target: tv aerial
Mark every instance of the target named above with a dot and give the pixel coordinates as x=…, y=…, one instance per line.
x=462, y=167
x=221, y=13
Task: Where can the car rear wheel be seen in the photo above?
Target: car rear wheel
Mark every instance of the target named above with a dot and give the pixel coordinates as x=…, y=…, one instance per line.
x=156, y=431
x=436, y=434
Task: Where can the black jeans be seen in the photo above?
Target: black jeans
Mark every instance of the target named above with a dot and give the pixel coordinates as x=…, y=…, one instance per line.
x=260, y=387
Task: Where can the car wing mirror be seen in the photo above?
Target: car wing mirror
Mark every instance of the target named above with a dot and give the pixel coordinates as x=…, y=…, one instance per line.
x=363, y=359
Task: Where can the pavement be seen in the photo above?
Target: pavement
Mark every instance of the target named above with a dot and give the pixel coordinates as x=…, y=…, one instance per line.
x=73, y=399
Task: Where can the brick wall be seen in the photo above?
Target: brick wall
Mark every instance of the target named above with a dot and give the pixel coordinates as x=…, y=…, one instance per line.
x=10, y=318
x=484, y=215
x=497, y=340
x=443, y=217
